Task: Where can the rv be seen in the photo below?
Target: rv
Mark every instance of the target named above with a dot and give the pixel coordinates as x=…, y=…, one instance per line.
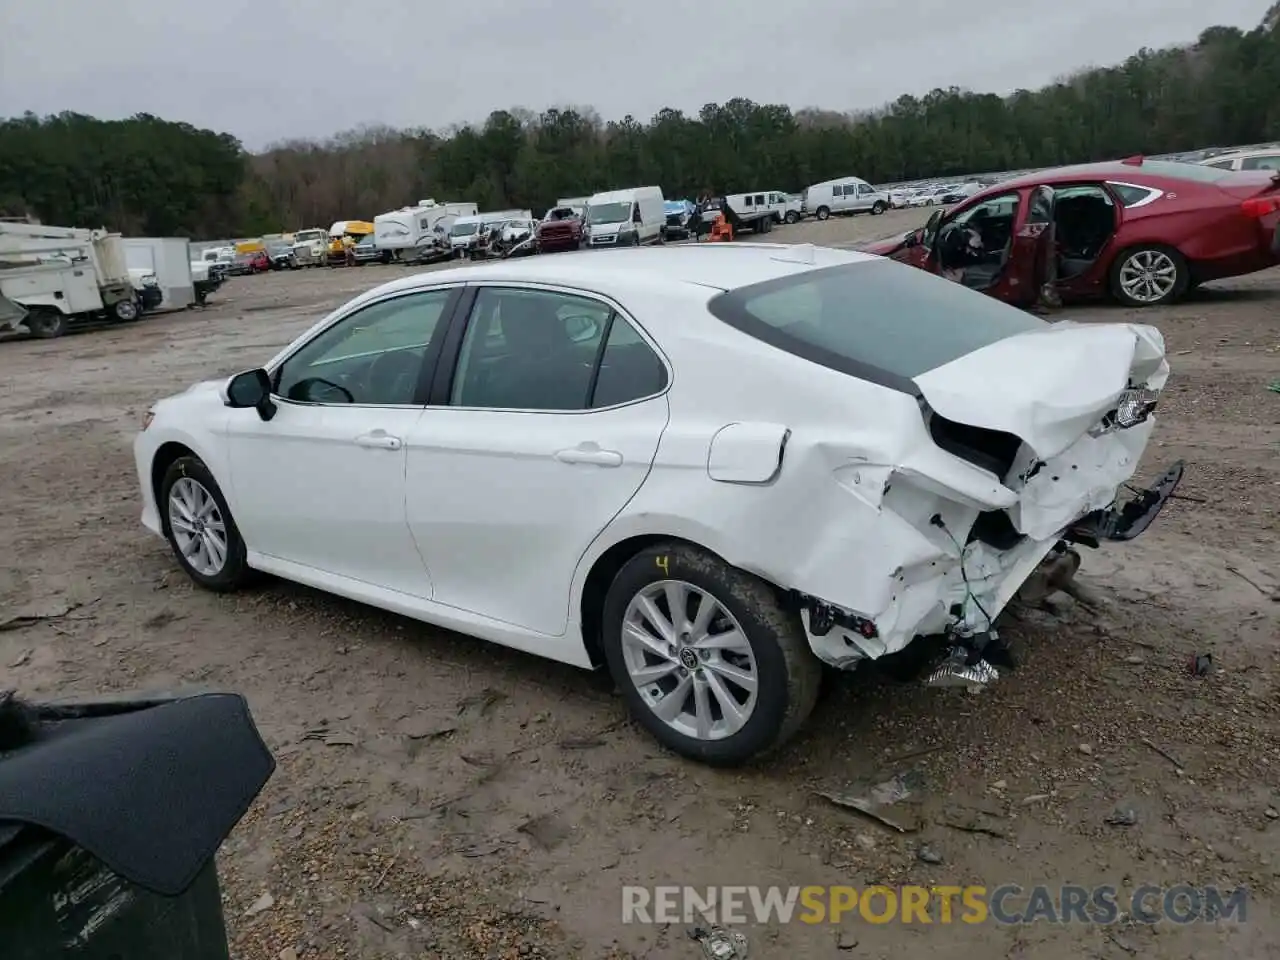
x=626, y=217
x=401, y=232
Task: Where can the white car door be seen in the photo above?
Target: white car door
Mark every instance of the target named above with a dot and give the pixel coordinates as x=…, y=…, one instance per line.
x=322, y=482
x=538, y=435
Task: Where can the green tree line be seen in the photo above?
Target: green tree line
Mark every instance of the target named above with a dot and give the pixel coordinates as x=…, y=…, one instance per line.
x=145, y=175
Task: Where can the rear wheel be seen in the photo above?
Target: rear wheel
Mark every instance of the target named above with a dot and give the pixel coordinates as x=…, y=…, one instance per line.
x=46, y=323
x=198, y=525
x=707, y=657
x=1149, y=276
x=824, y=213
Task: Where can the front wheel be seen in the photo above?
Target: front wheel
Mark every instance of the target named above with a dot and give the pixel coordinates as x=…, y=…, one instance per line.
x=125, y=310
x=707, y=657
x=823, y=213
x=198, y=525
x=793, y=217
x=878, y=208
x=1149, y=276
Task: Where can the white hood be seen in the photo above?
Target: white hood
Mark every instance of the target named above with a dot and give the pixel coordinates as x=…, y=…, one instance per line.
x=1048, y=387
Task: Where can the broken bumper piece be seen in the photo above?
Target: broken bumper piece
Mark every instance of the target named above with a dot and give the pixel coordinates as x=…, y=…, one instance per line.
x=1127, y=520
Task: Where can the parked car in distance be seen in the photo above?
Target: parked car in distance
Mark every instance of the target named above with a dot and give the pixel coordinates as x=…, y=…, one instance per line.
x=1267, y=158
x=1142, y=231
x=281, y=255
x=710, y=469
x=255, y=261
x=367, y=250
x=845, y=195
x=679, y=213
x=560, y=229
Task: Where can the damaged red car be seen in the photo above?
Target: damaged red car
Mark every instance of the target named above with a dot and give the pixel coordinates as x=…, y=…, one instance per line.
x=1143, y=232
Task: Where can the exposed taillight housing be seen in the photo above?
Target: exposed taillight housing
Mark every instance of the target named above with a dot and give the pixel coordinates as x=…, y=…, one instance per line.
x=1259, y=207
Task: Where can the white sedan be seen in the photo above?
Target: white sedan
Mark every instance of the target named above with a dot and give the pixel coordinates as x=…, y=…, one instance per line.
x=711, y=469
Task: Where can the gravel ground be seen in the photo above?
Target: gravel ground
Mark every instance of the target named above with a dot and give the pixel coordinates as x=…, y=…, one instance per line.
x=471, y=802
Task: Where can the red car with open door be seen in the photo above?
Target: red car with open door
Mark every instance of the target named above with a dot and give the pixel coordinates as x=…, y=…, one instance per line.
x=1141, y=231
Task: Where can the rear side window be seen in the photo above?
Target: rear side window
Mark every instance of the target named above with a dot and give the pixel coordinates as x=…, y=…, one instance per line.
x=877, y=320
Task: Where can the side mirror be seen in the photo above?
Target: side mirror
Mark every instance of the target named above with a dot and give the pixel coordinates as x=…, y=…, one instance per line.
x=251, y=389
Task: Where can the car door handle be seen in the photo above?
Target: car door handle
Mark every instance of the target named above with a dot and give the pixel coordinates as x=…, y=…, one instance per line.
x=379, y=440
x=590, y=453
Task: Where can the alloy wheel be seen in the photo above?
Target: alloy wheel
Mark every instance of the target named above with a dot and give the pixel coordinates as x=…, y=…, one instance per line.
x=1148, y=276
x=197, y=526
x=690, y=660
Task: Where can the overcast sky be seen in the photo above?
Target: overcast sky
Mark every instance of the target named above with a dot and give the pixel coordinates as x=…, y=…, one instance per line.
x=267, y=70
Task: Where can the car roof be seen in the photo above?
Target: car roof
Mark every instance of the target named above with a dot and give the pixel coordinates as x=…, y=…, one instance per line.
x=701, y=270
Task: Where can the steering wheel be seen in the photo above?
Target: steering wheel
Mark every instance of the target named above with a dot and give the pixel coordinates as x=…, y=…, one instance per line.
x=394, y=374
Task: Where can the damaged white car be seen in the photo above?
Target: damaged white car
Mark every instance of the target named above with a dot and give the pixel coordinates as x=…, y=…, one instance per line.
x=711, y=469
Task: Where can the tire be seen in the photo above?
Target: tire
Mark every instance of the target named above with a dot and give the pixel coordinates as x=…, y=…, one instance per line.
x=878, y=208
x=824, y=213
x=196, y=481
x=792, y=217
x=786, y=672
x=1156, y=259
x=125, y=311
x=635, y=240
x=45, y=324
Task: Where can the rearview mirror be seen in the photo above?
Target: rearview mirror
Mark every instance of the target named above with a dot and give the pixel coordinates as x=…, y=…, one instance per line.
x=251, y=389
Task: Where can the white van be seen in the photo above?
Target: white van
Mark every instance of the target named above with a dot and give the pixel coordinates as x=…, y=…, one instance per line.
x=844, y=195
x=626, y=217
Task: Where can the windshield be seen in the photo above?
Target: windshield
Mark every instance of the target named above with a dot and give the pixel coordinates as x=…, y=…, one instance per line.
x=306, y=236
x=896, y=319
x=463, y=229
x=610, y=213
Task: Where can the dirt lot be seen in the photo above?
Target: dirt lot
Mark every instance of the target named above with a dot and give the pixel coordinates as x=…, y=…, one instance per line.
x=481, y=803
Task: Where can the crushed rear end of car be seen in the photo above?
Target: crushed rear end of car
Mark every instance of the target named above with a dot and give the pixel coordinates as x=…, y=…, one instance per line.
x=998, y=445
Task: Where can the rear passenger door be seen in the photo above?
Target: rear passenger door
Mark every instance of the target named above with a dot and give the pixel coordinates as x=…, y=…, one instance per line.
x=542, y=425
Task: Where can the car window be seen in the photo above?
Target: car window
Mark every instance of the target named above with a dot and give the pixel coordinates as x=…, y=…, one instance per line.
x=1222, y=164
x=373, y=356
x=1132, y=195
x=1269, y=161
x=629, y=368
x=877, y=320
x=999, y=207
x=529, y=350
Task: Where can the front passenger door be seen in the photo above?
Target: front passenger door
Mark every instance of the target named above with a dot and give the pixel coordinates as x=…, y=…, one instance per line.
x=321, y=484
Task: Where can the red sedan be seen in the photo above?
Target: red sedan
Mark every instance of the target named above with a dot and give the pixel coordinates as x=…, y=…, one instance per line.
x=1142, y=231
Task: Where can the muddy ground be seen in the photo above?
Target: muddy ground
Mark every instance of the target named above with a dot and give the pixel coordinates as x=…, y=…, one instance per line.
x=472, y=802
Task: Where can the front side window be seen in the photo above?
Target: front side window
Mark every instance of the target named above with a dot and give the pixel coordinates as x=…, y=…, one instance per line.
x=544, y=350
x=878, y=320
x=373, y=356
